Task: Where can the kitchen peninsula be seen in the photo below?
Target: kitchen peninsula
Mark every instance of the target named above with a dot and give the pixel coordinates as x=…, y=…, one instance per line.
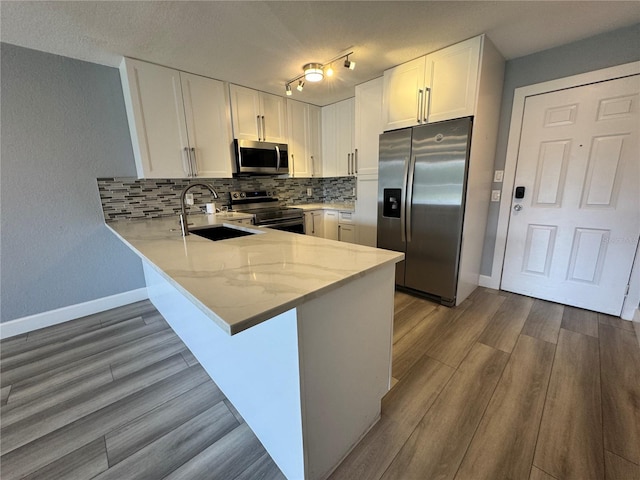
x=295, y=330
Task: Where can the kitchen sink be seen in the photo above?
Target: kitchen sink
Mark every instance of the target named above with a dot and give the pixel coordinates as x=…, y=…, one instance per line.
x=219, y=232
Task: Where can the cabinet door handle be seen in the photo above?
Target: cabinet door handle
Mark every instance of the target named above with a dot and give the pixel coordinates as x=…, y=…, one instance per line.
x=427, y=101
x=313, y=223
x=419, y=114
x=313, y=167
x=186, y=166
x=195, y=162
x=258, y=126
x=264, y=130
x=293, y=166
x=355, y=161
x=339, y=232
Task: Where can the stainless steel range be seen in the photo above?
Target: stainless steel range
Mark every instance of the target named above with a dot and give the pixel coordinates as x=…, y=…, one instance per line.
x=266, y=211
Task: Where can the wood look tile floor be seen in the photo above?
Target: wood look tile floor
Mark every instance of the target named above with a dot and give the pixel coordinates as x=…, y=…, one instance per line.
x=500, y=387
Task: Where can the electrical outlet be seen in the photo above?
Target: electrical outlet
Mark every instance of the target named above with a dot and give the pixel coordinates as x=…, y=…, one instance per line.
x=309, y=192
x=354, y=191
x=188, y=198
x=498, y=176
x=495, y=195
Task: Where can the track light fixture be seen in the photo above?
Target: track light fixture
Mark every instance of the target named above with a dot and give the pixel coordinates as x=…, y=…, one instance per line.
x=349, y=64
x=315, y=72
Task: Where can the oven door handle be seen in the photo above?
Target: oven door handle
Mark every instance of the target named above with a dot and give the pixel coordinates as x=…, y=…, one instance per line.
x=286, y=223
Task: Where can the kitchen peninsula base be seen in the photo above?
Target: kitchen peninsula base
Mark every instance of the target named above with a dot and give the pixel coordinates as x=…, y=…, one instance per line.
x=308, y=381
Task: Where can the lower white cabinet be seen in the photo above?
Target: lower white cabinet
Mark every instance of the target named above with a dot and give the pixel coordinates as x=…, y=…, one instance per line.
x=346, y=227
x=347, y=233
x=331, y=224
x=314, y=223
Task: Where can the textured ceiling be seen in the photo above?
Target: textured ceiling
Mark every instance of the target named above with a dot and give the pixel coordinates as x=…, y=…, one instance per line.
x=264, y=44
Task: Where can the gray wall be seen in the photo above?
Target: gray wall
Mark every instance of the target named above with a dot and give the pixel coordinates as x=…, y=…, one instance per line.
x=602, y=51
x=63, y=124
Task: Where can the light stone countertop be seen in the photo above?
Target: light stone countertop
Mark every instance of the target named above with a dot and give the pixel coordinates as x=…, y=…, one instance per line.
x=244, y=281
x=343, y=207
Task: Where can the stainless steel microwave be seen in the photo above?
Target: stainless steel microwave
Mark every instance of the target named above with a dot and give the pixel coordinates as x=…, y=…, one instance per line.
x=261, y=158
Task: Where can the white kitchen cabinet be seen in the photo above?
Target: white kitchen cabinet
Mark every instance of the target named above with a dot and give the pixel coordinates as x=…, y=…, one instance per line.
x=208, y=126
x=347, y=233
x=439, y=86
x=178, y=122
x=368, y=126
x=304, y=138
x=257, y=115
x=346, y=227
x=315, y=126
x=366, y=213
x=314, y=223
x=338, y=155
x=331, y=224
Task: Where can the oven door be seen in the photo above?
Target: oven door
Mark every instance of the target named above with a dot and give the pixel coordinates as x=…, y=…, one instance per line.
x=292, y=225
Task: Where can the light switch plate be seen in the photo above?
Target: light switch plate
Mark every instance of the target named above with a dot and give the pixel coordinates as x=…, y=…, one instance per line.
x=188, y=199
x=495, y=195
x=309, y=192
x=498, y=176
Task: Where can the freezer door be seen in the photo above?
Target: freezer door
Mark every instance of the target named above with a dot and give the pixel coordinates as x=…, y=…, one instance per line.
x=435, y=206
x=394, y=154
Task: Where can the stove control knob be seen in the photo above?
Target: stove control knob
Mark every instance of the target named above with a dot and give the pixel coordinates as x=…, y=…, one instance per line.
x=235, y=195
x=242, y=195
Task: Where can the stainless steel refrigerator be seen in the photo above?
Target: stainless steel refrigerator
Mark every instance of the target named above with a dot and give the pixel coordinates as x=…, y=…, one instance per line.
x=422, y=183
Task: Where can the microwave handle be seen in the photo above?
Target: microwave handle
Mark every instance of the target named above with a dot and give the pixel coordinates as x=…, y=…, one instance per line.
x=277, y=158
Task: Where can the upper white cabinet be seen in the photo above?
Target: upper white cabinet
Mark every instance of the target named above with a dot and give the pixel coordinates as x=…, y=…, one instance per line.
x=339, y=159
x=438, y=86
x=257, y=115
x=179, y=123
x=304, y=138
x=368, y=126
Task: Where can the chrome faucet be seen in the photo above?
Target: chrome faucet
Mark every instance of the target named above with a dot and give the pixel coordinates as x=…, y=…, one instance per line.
x=184, y=226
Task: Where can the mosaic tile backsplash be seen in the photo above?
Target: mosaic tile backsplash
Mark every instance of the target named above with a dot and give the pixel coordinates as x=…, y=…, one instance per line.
x=150, y=198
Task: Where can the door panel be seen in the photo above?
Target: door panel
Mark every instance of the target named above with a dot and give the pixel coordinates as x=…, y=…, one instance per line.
x=573, y=236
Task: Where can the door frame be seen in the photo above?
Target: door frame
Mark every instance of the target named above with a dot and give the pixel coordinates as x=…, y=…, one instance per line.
x=511, y=161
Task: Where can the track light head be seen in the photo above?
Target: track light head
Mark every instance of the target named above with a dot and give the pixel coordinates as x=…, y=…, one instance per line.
x=288, y=89
x=349, y=64
x=300, y=86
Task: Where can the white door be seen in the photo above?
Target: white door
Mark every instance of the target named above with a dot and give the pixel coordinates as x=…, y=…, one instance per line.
x=573, y=235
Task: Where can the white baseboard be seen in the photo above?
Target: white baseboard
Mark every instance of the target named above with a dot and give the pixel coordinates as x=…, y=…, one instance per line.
x=64, y=314
x=489, y=282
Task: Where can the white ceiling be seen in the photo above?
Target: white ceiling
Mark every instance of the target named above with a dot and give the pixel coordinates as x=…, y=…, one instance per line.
x=263, y=44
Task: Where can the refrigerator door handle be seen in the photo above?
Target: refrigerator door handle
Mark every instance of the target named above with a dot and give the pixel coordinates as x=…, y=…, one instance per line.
x=403, y=201
x=419, y=105
x=409, y=200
